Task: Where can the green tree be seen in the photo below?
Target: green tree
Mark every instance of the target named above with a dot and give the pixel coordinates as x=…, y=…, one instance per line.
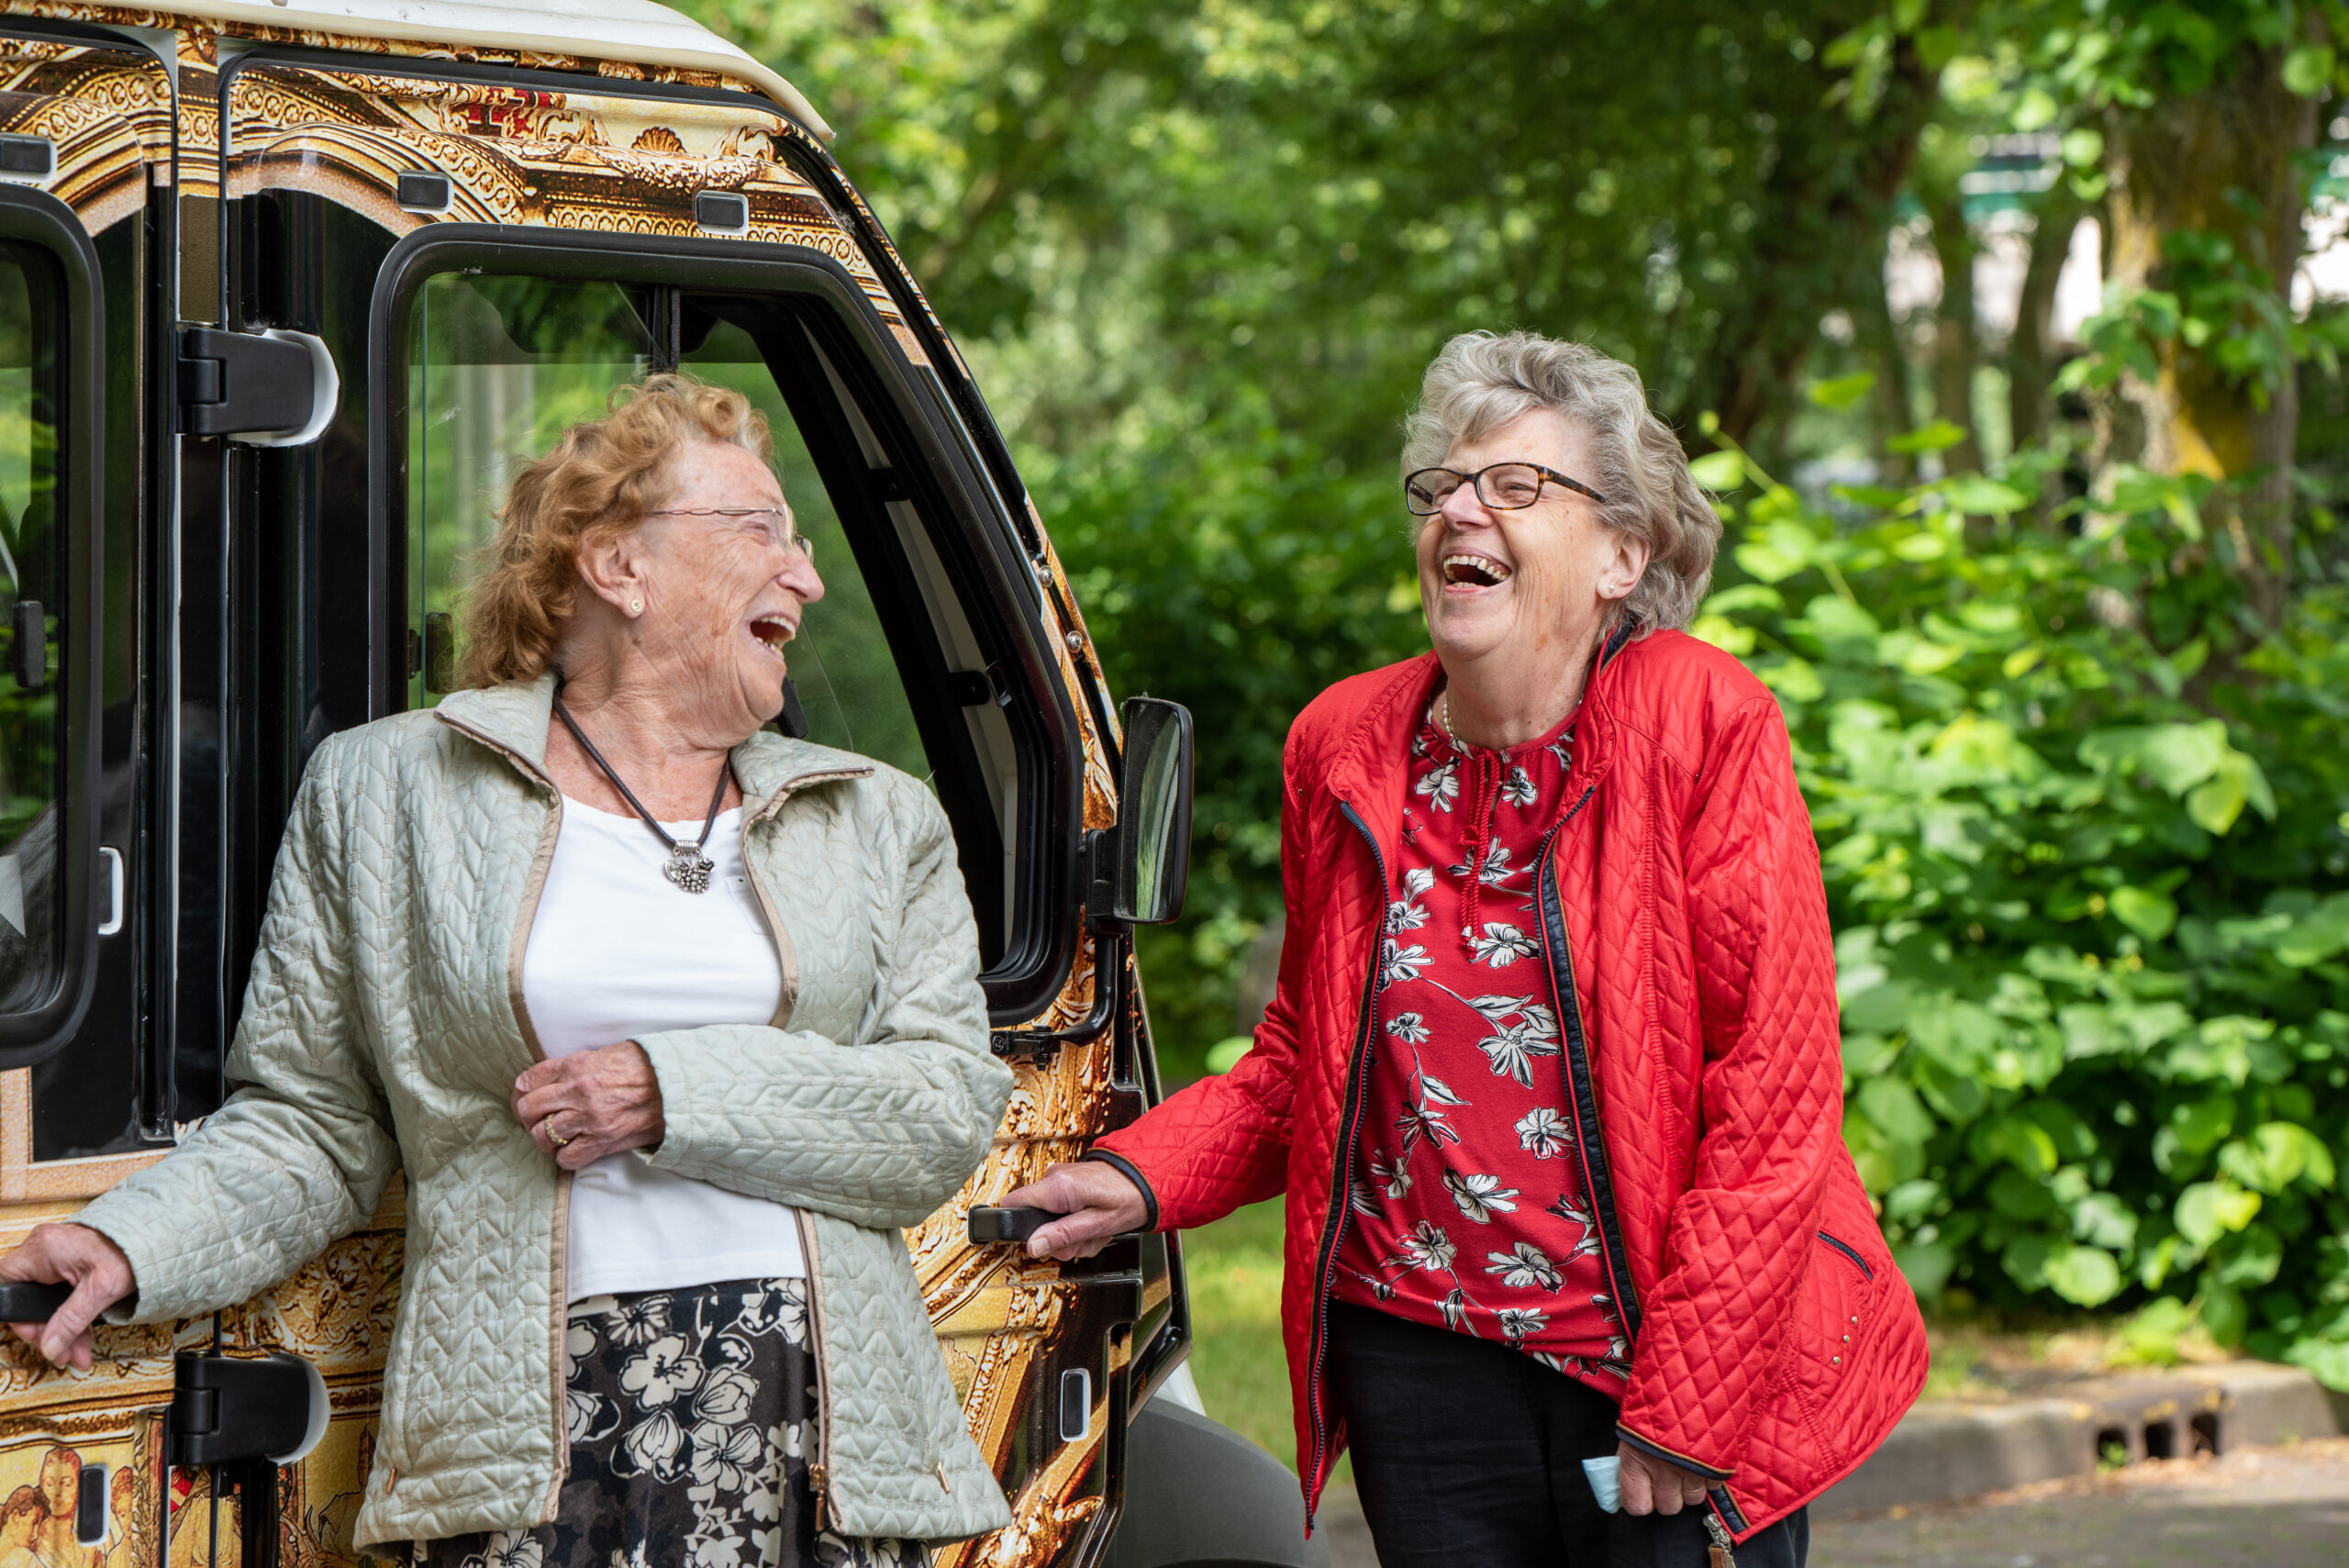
x=2208, y=116
x=2064, y=695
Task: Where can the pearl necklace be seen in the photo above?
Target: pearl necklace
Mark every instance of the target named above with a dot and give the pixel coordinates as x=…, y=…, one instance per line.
x=1443, y=720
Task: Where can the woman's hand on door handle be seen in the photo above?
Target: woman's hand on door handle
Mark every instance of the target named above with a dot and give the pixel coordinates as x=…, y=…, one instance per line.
x=96, y=1269
x=1096, y=1204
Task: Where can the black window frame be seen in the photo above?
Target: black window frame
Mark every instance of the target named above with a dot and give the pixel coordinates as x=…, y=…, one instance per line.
x=958, y=506
x=36, y=218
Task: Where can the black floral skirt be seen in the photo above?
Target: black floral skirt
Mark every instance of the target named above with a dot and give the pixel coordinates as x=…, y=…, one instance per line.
x=693, y=1414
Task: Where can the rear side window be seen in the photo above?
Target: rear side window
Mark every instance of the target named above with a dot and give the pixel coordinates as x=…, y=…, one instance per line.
x=32, y=606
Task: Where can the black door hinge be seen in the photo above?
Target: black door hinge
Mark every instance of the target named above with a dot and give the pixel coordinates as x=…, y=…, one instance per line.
x=236, y=383
x=227, y=1408
x=243, y=1417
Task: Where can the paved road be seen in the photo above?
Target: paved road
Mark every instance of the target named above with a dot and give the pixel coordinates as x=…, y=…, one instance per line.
x=2270, y=1507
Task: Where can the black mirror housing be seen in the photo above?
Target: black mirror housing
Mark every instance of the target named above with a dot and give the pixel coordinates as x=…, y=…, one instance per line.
x=1150, y=849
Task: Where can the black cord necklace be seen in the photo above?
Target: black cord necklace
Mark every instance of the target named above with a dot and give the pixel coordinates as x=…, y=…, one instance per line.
x=687, y=866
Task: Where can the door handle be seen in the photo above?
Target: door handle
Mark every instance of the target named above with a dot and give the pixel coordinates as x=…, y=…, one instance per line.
x=31, y=1301
x=114, y=882
x=989, y=1226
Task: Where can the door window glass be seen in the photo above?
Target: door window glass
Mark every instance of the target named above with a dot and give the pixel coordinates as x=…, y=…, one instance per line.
x=840, y=661
x=499, y=366
x=31, y=601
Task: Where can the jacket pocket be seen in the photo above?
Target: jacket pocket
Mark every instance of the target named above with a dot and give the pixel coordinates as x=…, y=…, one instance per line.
x=1832, y=1312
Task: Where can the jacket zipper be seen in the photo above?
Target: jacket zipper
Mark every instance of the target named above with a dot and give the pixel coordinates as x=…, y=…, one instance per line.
x=1590, y=1146
x=524, y=919
x=1582, y=1102
x=1350, y=1126
x=820, y=1472
x=1852, y=1253
x=773, y=806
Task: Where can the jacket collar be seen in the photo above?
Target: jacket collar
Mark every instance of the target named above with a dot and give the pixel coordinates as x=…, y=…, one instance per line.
x=513, y=718
x=1367, y=765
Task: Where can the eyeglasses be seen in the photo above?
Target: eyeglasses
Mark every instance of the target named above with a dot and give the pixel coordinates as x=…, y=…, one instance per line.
x=771, y=522
x=1504, y=486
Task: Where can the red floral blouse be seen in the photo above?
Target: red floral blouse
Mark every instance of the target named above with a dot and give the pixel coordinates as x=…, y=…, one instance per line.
x=1466, y=1208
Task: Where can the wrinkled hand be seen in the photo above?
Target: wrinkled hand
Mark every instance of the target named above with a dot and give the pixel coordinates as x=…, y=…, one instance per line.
x=94, y=1265
x=1097, y=1203
x=600, y=1101
x=1654, y=1486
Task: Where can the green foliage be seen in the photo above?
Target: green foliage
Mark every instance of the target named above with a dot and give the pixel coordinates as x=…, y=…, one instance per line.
x=1127, y=211
x=2130, y=52
x=2085, y=884
x=1238, y=572
x=2082, y=817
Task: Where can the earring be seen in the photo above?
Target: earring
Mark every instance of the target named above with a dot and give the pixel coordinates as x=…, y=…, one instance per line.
x=636, y=607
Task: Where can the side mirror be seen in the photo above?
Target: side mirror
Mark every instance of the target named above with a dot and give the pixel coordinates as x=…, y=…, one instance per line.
x=1150, y=848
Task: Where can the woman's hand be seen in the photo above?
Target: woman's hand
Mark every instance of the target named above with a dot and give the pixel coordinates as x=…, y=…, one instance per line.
x=592, y=1103
x=1097, y=1202
x=1654, y=1486
x=99, y=1273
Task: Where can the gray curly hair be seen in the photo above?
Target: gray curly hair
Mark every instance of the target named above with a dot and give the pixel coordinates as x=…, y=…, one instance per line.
x=1483, y=380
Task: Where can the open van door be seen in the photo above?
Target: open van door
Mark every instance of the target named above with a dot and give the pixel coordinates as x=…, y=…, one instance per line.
x=484, y=254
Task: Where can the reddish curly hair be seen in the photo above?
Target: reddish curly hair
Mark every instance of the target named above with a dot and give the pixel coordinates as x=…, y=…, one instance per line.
x=601, y=481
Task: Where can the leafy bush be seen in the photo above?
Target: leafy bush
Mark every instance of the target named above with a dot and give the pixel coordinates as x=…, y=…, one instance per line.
x=2085, y=850
x=1234, y=569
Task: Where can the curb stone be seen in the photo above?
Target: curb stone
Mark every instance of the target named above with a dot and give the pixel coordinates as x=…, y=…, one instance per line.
x=1953, y=1447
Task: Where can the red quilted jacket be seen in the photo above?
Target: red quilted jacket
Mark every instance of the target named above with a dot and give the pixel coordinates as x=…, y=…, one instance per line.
x=1774, y=1343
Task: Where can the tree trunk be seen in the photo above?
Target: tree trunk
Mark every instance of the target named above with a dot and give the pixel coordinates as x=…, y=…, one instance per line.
x=1954, y=355
x=2182, y=164
x=2028, y=367
x=1894, y=413
x=1828, y=193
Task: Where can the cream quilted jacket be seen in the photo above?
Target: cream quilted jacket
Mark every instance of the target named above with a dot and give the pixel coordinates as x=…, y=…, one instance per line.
x=384, y=1027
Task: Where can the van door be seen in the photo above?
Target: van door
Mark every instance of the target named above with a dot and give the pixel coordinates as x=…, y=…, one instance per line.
x=329, y=162
x=919, y=654
x=487, y=255
x=86, y=139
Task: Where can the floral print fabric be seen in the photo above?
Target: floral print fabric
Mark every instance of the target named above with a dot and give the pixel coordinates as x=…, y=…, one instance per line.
x=1467, y=1208
x=693, y=1417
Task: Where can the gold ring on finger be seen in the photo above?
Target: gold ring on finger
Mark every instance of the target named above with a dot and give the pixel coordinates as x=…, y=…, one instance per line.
x=547, y=1127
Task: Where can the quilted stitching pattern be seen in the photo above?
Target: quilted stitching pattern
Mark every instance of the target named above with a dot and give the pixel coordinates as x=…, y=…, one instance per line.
x=1705, y=972
x=379, y=1026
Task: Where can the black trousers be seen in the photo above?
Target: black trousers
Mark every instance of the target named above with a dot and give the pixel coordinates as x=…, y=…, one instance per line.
x=1470, y=1451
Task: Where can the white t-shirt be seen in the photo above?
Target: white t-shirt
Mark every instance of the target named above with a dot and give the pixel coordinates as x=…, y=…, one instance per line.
x=616, y=951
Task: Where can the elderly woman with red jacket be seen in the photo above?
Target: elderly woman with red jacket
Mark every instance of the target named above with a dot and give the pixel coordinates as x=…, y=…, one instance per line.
x=1552, y=1078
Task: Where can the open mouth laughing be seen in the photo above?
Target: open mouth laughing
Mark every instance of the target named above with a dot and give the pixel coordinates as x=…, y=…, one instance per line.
x=773, y=632
x=1466, y=569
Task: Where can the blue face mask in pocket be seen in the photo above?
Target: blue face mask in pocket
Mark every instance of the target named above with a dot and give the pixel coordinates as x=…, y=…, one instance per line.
x=1605, y=1482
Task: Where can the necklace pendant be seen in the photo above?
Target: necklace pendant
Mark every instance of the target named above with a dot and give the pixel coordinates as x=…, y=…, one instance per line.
x=689, y=868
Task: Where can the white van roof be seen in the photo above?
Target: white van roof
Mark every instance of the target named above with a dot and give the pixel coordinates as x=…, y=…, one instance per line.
x=637, y=31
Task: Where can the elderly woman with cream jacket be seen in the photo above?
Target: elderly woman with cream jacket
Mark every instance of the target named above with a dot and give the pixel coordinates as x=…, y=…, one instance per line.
x=673, y=1024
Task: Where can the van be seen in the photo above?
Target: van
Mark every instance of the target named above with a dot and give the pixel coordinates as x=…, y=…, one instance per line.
x=287, y=290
